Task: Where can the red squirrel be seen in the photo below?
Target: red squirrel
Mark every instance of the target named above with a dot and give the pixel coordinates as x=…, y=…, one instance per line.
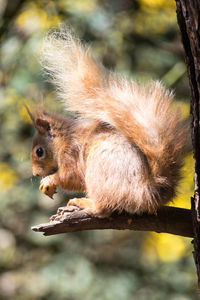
x=126, y=145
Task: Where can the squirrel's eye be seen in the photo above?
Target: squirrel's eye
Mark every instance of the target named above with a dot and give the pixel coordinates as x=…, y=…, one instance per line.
x=39, y=152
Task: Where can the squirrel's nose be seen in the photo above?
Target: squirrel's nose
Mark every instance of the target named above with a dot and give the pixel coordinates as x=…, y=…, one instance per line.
x=35, y=173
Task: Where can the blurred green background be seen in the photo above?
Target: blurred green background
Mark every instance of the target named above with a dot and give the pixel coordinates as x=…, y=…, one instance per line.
x=140, y=39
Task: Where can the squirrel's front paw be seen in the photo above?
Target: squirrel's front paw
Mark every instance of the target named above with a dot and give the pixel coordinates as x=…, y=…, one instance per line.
x=47, y=186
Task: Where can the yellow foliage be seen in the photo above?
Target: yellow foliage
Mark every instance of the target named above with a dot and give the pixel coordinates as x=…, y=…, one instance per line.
x=34, y=17
x=8, y=177
x=23, y=112
x=158, y=4
x=155, y=16
x=186, y=186
x=165, y=247
x=184, y=108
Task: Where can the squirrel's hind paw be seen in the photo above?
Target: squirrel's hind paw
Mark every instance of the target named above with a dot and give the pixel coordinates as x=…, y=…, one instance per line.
x=88, y=205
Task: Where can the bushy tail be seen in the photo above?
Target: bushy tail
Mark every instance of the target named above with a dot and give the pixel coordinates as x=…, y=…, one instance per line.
x=142, y=113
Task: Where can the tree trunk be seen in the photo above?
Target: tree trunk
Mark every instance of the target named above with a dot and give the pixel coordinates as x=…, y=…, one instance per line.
x=188, y=14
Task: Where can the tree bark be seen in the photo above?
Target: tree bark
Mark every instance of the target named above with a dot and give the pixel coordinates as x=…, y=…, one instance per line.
x=188, y=15
x=168, y=219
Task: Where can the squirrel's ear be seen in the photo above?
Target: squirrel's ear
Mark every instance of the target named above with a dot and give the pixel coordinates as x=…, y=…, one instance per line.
x=42, y=125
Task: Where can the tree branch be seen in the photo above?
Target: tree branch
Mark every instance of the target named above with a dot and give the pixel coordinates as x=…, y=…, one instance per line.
x=172, y=220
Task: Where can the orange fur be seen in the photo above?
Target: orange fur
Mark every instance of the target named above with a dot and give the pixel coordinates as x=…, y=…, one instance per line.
x=127, y=149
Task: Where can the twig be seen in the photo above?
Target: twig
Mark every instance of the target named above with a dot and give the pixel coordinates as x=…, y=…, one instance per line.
x=172, y=220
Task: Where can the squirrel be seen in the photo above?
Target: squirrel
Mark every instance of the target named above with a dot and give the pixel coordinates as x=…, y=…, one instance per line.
x=125, y=146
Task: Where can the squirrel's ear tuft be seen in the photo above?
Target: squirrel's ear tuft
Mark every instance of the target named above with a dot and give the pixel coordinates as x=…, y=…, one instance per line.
x=30, y=114
x=41, y=125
